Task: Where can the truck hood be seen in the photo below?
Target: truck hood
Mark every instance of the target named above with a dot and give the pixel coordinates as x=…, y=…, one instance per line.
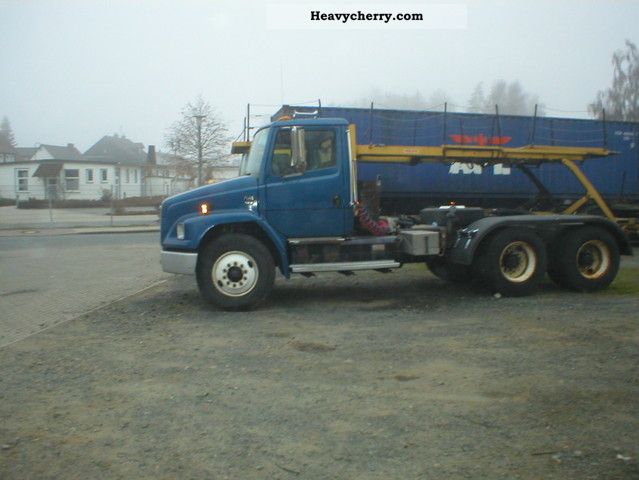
x=212, y=189
x=229, y=194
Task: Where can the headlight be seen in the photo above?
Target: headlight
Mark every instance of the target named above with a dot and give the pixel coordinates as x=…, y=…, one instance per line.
x=180, y=231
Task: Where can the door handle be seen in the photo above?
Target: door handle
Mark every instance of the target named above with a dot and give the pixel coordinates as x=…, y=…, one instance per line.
x=337, y=201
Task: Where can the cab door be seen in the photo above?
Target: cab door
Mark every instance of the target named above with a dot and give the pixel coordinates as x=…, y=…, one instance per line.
x=311, y=201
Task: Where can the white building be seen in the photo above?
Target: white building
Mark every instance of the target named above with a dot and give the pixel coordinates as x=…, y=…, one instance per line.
x=113, y=167
x=57, y=172
x=163, y=176
x=167, y=174
x=219, y=173
x=128, y=160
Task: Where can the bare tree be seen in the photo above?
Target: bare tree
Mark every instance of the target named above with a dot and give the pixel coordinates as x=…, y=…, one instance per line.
x=509, y=97
x=199, y=136
x=621, y=100
x=6, y=132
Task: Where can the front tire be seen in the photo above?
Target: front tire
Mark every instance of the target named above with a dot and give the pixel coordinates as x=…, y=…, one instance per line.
x=512, y=262
x=585, y=260
x=235, y=272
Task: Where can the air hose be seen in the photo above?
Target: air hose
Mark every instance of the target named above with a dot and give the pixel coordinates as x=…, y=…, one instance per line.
x=377, y=228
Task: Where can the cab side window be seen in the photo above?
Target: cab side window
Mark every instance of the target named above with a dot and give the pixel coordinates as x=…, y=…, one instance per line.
x=281, y=160
x=320, y=151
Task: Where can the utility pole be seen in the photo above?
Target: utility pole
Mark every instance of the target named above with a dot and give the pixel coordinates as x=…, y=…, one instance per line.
x=198, y=119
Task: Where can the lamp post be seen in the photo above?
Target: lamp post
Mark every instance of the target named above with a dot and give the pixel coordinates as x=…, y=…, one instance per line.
x=198, y=120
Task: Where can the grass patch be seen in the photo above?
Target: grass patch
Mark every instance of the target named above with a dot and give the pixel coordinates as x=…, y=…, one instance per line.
x=626, y=283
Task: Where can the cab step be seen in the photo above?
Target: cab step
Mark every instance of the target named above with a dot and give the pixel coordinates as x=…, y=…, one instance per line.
x=344, y=266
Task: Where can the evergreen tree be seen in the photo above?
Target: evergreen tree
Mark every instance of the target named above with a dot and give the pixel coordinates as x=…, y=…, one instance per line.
x=6, y=132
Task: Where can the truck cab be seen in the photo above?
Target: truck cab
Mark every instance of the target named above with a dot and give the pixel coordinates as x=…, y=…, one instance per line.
x=294, y=183
x=304, y=185
x=295, y=206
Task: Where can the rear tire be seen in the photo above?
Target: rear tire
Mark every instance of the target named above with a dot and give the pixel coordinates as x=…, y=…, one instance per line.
x=585, y=260
x=235, y=272
x=512, y=262
x=450, y=272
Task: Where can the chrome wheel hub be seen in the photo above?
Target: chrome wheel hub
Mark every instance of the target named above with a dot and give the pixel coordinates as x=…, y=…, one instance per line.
x=235, y=274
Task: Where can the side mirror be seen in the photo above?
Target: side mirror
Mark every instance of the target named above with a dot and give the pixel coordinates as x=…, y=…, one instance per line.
x=298, y=149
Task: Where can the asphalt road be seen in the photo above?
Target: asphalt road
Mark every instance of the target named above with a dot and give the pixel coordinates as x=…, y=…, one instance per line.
x=49, y=279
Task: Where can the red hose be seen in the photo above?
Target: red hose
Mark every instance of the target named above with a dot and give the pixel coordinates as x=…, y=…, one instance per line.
x=377, y=228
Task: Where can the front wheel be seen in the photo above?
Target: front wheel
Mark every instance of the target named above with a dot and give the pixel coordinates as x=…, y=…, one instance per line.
x=235, y=271
x=512, y=262
x=584, y=260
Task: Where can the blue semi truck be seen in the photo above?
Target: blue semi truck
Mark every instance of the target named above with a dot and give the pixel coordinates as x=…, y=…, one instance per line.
x=297, y=206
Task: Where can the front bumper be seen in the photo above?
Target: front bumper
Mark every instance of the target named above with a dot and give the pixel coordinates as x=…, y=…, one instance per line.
x=178, y=262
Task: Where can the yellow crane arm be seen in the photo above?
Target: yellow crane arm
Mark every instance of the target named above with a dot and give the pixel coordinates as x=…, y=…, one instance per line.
x=530, y=154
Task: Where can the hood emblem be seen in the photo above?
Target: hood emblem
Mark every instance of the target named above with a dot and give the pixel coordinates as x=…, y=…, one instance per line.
x=250, y=201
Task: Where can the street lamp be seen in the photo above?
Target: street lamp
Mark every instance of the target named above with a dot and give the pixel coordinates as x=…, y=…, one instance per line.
x=198, y=120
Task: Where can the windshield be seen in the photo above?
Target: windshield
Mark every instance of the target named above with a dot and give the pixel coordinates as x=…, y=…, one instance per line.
x=251, y=162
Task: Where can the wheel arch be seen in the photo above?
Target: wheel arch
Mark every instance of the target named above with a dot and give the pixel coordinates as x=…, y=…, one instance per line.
x=612, y=228
x=470, y=239
x=252, y=229
x=548, y=227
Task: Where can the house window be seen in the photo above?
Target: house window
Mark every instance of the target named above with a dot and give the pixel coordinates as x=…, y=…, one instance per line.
x=72, y=179
x=89, y=172
x=103, y=175
x=23, y=180
x=135, y=176
x=126, y=173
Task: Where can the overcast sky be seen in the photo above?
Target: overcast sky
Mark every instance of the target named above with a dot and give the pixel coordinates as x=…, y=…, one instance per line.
x=73, y=71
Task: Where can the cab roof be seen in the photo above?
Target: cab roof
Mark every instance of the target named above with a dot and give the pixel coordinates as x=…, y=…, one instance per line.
x=303, y=122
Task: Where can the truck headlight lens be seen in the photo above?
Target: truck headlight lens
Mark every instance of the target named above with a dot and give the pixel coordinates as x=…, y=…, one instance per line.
x=180, y=231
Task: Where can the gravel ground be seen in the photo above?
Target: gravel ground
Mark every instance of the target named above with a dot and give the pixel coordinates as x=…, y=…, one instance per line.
x=370, y=377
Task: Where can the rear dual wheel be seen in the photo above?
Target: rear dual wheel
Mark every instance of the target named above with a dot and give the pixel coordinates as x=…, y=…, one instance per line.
x=512, y=262
x=585, y=260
